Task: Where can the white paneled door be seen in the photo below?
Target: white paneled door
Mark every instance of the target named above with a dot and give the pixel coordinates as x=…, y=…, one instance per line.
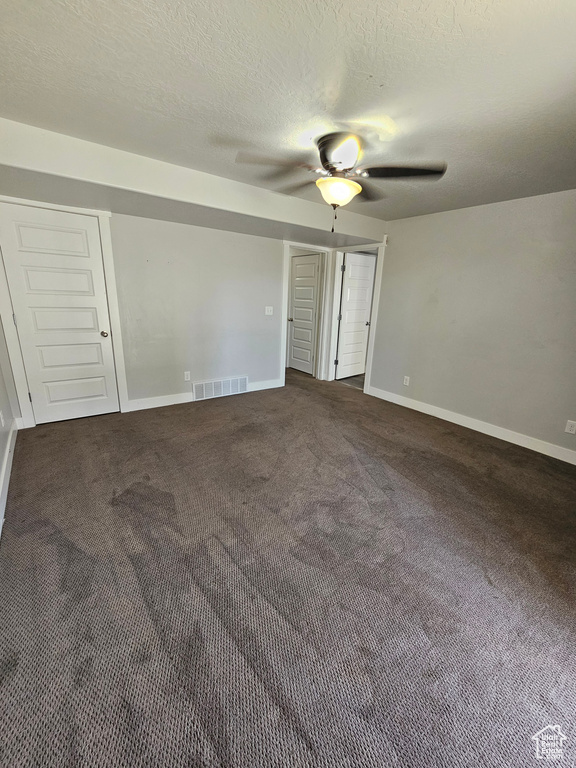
x=355, y=309
x=53, y=263
x=303, y=312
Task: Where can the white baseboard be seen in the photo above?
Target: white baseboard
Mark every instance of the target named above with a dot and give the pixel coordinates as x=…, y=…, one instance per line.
x=188, y=397
x=159, y=402
x=256, y=386
x=533, y=443
x=22, y=423
x=5, y=470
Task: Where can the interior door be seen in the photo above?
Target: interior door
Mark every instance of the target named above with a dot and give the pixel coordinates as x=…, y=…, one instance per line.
x=53, y=263
x=355, y=309
x=302, y=319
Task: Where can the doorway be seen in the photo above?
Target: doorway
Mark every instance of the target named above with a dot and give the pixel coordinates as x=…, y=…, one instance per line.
x=354, y=317
x=312, y=348
x=59, y=304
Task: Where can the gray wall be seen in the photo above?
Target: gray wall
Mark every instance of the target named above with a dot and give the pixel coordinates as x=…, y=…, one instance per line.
x=478, y=307
x=193, y=299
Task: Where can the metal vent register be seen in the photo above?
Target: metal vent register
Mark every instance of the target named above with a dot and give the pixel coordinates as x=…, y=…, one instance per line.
x=204, y=390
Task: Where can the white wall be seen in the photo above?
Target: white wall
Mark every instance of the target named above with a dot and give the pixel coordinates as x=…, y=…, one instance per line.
x=65, y=157
x=9, y=408
x=478, y=307
x=193, y=299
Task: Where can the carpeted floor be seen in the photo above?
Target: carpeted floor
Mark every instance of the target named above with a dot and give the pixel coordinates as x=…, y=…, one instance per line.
x=302, y=577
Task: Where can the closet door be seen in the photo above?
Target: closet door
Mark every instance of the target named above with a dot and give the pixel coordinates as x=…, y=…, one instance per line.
x=53, y=262
x=304, y=288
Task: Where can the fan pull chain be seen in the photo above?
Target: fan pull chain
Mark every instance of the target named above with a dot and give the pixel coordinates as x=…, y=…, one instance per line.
x=335, y=217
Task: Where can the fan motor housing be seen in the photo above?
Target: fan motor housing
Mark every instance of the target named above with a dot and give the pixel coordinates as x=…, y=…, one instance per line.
x=327, y=143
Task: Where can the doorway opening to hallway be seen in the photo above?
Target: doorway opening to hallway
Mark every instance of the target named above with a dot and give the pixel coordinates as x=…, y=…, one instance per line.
x=331, y=300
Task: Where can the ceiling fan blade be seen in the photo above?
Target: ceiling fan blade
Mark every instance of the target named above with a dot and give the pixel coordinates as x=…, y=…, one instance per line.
x=402, y=172
x=370, y=192
x=294, y=187
x=279, y=174
x=253, y=159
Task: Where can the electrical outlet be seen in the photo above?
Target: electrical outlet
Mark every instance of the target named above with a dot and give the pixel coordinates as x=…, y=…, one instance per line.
x=406, y=381
x=1, y=419
x=186, y=375
x=268, y=310
x=570, y=427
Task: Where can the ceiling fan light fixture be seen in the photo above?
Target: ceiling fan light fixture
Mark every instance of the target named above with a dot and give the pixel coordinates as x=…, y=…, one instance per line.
x=337, y=191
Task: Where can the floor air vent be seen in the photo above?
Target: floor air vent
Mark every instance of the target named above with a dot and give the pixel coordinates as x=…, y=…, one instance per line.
x=204, y=390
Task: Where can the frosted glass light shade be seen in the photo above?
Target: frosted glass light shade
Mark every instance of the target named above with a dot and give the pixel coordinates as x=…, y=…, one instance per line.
x=337, y=191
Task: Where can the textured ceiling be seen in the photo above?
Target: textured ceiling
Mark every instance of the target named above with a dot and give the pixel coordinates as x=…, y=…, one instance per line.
x=486, y=85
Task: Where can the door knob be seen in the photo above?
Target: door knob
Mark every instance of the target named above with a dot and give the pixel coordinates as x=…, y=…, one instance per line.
x=290, y=319
x=367, y=323
x=103, y=333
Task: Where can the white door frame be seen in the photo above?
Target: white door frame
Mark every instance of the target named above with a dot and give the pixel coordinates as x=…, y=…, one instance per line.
x=26, y=418
x=336, y=290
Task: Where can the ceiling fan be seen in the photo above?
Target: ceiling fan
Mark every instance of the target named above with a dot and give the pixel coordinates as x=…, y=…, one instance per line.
x=340, y=177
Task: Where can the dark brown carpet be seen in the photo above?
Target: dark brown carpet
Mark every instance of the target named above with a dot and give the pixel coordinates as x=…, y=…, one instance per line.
x=299, y=577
